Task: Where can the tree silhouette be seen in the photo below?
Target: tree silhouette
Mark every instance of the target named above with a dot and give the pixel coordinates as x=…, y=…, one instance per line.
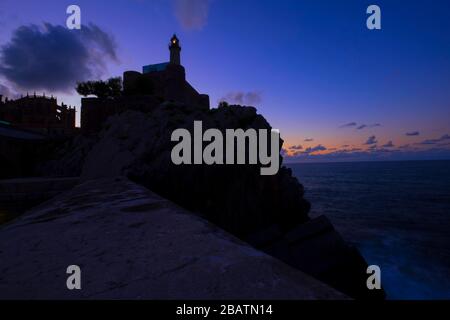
x=102, y=89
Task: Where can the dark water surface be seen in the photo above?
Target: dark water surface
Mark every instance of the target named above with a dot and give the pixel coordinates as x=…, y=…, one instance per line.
x=396, y=213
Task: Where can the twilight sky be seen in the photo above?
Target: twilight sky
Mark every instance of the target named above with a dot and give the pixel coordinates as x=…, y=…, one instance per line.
x=336, y=90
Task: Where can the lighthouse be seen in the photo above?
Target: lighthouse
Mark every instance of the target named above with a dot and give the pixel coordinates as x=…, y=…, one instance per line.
x=175, y=50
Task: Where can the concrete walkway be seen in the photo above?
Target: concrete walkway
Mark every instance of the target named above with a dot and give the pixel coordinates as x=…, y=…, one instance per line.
x=132, y=244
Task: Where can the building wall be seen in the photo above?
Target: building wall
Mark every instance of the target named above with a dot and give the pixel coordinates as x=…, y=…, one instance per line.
x=142, y=91
x=169, y=84
x=39, y=113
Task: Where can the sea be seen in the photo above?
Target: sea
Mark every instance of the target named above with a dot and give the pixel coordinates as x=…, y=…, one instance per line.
x=396, y=213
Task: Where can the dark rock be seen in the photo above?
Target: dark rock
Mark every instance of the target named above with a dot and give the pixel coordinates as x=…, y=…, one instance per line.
x=318, y=249
x=236, y=198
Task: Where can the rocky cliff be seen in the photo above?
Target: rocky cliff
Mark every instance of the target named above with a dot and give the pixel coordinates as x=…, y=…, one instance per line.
x=137, y=144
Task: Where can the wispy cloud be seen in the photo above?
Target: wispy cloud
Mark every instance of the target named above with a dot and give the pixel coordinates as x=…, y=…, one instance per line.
x=445, y=137
x=357, y=154
x=5, y=91
x=413, y=133
x=371, y=140
x=192, y=14
x=297, y=147
x=315, y=149
x=309, y=140
x=241, y=97
x=388, y=145
x=363, y=126
x=349, y=125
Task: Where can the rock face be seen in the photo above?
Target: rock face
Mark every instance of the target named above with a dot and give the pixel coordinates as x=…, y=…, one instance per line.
x=235, y=197
x=316, y=248
x=137, y=144
x=132, y=244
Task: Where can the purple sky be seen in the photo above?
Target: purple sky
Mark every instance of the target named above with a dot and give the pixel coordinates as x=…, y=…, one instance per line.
x=336, y=90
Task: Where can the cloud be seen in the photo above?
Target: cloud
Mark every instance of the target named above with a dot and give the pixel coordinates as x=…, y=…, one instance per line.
x=243, y=98
x=5, y=91
x=192, y=14
x=388, y=145
x=445, y=137
x=363, y=126
x=371, y=140
x=413, y=133
x=54, y=58
x=315, y=149
x=375, y=153
x=350, y=124
x=428, y=142
x=309, y=140
x=297, y=147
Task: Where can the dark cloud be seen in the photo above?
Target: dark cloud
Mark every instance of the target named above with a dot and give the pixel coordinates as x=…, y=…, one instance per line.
x=315, y=149
x=5, y=91
x=297, y=147
x=428, y=142
x=348, y=125
x=243, y=98
x=54, y=58
x=371, y=140
x=388, y=145
x=413, y=133
x=445, y=137
x=192, y=14
x=309, y=140
x=363, y=126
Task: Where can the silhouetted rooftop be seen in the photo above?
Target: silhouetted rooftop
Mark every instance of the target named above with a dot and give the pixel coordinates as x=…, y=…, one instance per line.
x=155, y=67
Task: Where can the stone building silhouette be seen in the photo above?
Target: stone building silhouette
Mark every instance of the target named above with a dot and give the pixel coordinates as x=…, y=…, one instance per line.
x=157, y=83
x=40, y=114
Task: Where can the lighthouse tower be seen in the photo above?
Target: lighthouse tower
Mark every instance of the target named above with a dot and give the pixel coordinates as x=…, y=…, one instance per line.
x=175, y=50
